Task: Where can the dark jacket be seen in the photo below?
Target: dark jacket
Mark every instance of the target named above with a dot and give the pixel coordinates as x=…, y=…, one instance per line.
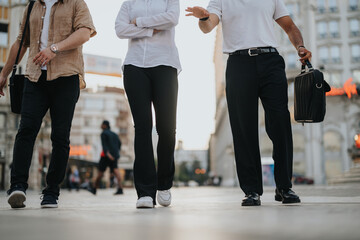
x=111, y=143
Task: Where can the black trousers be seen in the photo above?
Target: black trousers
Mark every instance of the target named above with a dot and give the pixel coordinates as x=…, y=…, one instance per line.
x=247, y=80
x=157, y=86
x=60, y=96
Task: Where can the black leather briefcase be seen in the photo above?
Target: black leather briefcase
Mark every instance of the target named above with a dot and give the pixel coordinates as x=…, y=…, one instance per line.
x=309, y=97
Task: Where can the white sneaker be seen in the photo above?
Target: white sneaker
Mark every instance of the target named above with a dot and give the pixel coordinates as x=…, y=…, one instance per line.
x=17, y=199
x=164, y=198
x=145, y=202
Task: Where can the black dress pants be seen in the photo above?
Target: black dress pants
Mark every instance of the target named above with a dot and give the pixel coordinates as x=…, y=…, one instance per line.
x=247, y=80
x=60, y=96
x=157, y=86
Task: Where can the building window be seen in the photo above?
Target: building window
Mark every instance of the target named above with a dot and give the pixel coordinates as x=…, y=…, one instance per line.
x=354, y=27
x=334, y=29
x=322, y=29
x=353, y=5
x=333, y=6
x=4, y=2
x=335, y=54
x=324, y=54
x=291, y=60
x=356, y=76
x=321, y=6
x=355, y=51
x=334, y=79
x=4, y=36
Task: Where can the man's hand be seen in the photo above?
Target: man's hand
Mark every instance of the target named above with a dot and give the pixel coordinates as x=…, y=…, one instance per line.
x=197, y=12
x=304, y=54
x=3, y=81
x=110, y=156
x=44, y=57
x=155, y=30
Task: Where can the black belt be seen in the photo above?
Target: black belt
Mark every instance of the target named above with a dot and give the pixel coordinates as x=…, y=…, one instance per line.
x=254, y=51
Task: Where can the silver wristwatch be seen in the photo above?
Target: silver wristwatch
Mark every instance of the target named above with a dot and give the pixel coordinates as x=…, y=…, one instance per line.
x=54, y=48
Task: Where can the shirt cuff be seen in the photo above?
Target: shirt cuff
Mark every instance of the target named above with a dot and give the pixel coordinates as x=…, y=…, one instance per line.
x=140, y=23
x=281, y=15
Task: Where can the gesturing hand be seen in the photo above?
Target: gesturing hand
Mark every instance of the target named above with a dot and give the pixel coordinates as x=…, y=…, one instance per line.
x=44, y=57
x=197, y=12
x=304, y=54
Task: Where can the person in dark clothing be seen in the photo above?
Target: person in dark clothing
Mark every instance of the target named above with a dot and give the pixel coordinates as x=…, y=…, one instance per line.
x=110, y=155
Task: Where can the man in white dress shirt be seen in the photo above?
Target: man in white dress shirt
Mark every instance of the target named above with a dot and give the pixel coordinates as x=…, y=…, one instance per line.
x=256, y=70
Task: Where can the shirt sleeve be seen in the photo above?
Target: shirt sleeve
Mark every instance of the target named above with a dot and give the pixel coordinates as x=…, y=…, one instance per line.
x=27, y=33
x=163, y=21
x=215, y=7
x=104, y=142
x=124, y=29
x=83, y=18
x=280, y=10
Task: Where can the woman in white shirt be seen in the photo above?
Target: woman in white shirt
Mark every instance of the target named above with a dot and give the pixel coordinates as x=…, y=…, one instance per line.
x=151, y=67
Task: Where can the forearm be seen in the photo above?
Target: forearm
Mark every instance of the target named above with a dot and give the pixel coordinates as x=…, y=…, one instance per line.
x=130, y=31
x=208, y=25
x=75, y=40
x=295, y=36
x=7, y=69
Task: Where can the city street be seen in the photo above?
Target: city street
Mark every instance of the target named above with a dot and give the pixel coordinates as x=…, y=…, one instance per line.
x=196, y=213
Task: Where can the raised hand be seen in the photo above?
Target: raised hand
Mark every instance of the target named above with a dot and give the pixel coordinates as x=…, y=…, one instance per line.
x=197, y=12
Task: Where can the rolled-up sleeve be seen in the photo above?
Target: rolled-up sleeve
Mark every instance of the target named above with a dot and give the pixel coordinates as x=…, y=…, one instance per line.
x=27, y=33
x=124, y=29
x=215, y=8
x=83, y=17
x=280, y=10
x=162, y=21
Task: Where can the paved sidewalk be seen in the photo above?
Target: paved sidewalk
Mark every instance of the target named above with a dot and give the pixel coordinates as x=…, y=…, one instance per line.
x=331, y=213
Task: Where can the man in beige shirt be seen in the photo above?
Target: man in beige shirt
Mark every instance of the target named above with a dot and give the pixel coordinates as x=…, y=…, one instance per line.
x=56, y=33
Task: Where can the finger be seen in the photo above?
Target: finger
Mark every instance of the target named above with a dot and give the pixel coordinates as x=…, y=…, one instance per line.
x=189, y=14
x=36, y=57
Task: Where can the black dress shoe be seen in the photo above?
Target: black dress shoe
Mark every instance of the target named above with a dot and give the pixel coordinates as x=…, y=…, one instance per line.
x=251, y=199
x=286, y=196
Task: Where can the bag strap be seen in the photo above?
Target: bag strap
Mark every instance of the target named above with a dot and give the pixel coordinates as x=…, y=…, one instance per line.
x=22, y=40
x=309, y=65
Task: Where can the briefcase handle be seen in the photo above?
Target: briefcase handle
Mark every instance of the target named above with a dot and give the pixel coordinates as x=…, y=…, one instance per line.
x=309, y=65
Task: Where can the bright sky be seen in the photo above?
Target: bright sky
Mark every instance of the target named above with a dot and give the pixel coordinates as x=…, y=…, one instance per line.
x=196, y=103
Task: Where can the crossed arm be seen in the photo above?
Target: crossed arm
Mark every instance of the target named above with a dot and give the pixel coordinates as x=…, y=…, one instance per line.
x=141, y=27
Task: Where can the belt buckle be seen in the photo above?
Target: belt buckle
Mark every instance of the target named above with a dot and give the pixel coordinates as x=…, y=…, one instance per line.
x=252, y=55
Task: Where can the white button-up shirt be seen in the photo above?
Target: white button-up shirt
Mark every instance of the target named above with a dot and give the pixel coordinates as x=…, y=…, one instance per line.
x=146, y=48
x=248, y=23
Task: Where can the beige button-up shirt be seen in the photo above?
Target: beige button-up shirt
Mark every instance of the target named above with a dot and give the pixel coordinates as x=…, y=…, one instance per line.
x=66, y=17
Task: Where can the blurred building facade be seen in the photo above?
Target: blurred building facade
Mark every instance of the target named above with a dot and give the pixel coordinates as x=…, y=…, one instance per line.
x=107, y=103
x=190, y=156
x=321, y=151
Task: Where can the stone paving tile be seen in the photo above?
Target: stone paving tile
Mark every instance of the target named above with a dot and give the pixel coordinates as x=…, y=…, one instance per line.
x=196, y=213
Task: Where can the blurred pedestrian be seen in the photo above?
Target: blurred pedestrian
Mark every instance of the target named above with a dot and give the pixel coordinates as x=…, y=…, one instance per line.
x=110, y=155
x=256, y=70
x=56, y=33
x=150, y=77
